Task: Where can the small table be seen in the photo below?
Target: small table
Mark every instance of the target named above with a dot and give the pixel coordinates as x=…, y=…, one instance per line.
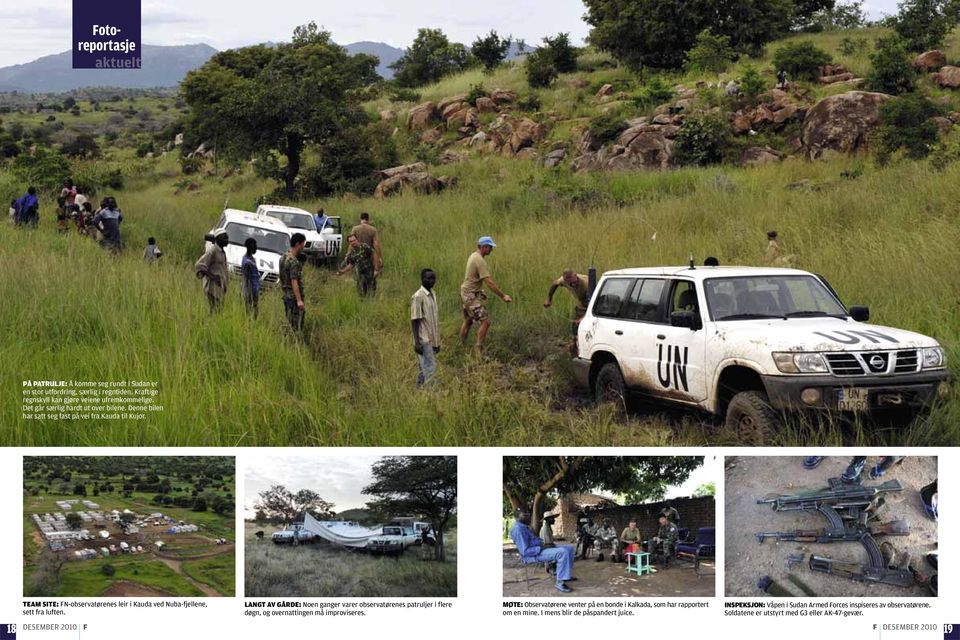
x=640, y=564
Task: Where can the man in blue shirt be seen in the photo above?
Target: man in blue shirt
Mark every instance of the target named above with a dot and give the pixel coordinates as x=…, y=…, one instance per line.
x=531, y=549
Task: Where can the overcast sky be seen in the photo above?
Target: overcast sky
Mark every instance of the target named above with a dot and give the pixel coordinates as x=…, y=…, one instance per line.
x=34, y=28
x=338, y=479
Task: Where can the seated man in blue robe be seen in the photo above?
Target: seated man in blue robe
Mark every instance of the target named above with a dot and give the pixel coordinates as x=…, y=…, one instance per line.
x=531, y=549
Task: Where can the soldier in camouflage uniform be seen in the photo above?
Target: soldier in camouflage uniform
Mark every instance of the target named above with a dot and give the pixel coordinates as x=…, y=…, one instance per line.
x=605, y=537
x=666, y=539
x=361, y=258
x=291, y=281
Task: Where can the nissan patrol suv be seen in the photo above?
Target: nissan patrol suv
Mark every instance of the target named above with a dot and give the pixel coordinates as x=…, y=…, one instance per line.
x=749, y=344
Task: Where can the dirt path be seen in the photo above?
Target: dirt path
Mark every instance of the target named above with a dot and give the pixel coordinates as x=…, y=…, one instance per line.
x=746, y=561
x=219, y=551
x=177, y=567
x=607, y=579
x=124, y=589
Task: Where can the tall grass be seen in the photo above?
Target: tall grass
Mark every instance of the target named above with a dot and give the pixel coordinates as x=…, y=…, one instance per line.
x=325, y=570
x=72, y=312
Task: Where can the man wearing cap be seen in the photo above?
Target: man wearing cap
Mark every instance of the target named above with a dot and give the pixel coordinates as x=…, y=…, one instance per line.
x=531, y=550
x=579, y=287
x=471, y=291
x=666, y=539
x=291, y=281
x=212, y=269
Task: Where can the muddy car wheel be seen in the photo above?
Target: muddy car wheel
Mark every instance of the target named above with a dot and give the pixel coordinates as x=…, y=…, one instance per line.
x=610, y=388
x=751, y=417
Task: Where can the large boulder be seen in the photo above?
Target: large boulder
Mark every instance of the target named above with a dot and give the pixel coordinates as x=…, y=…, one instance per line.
x=422, y=116
x=948, y=77
x=486, y=105
x=419, y=181
x=839, y=77
x=554, y=158
x=416, y=167
x=929, y=61
x=605, y=90
x=755, y=156
x=446, y=102
x=526, y=133
x=502, y=96
x=841, y=123
x=647, y=148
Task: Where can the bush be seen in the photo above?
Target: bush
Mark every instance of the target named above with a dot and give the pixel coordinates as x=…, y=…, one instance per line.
x=890, y=69
x=476, y=91
x=44, y=169
x=83, y=146
x=710, y=53
x=490, y=50
x=906, y=125
x=947, y=152
x=702, y=140
x=607, y=127
x=108, y=570
x=430, y=57
x=801, y=60
x=654, y=93
x=752, y=83
x=402, y=94
x=541, y=71
x=189, y=166
x=852, y=46
x=529, y=102
x=924, y=24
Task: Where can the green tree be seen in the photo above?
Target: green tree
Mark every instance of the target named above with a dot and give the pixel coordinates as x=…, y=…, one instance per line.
x=841, y=17
x=906, y=125
x=528, y=481
x=280, y=504
x=924, y=24
x=890, y=69
x=541, y=71
x=710, y=53
x=702, y=140
x=419, y=485
x=801, y=60
x=74, y=521
x=200, y=504
x=259, y=99
x=705, y=489
x=491, y=50
x=429, y=58
x=80, y=489
x=44, y=169
x=752, y=83
x=561, y=52
x=658, y=33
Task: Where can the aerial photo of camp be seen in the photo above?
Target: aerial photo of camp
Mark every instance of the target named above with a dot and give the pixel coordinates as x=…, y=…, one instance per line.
x=357, y=526
x=128, y=526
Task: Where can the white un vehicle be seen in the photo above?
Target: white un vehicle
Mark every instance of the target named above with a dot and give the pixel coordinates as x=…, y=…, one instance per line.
x=749, y=344
x=321, y=246
x=272, y=236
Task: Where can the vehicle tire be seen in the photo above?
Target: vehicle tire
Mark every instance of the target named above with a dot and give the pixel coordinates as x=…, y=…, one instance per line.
x=751, y=417
x=609, y=387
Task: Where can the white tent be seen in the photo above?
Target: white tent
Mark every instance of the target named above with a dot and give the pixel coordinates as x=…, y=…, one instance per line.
x=348, y=534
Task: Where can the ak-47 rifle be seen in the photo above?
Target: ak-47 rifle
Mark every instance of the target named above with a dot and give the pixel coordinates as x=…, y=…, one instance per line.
x=843, y=534
x=837, y=504
x=876, y=571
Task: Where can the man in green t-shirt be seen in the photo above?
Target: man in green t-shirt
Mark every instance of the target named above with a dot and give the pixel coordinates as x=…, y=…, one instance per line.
x=471, y=291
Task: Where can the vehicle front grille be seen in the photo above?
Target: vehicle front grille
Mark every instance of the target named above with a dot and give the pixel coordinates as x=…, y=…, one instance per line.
x=860, y=363
x=271, y=278
x=844, y=364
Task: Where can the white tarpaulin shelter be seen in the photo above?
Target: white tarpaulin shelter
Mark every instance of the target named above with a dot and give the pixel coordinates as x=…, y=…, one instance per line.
x=348, y=534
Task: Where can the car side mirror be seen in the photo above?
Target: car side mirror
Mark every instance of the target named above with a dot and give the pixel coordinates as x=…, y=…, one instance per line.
x=688, y=319
x=860, y=314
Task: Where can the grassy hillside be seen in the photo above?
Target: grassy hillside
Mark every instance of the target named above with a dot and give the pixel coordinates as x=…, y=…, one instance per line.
x=883, y=239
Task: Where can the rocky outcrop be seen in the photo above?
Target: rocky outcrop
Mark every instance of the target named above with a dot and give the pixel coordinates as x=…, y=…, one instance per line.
x=503, y=97
x=839, y=77
x=841, y=123
x=422, y=116
x=554, y=158
x=403, y=168
x=486, y=105
x=524, y=133
x=446, y=102
x=642, y=146
x=421, y=182
x=929, y=61
x=605, y=90
x=948, y=77
x=776, y=109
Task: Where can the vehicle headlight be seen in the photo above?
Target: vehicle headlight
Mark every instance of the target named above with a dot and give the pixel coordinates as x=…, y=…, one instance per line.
x=933, y=358
x=800, y=362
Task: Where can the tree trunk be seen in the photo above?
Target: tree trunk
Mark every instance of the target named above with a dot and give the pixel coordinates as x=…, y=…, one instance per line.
x=294, y=148
x=440, y=553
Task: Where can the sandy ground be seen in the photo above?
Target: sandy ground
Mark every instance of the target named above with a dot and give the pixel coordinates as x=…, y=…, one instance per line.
x=751, y=478
x=608, y=579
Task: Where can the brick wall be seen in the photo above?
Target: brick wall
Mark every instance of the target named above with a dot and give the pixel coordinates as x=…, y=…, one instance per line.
x=694, y=513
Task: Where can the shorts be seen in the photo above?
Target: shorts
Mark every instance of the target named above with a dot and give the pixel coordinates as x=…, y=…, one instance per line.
x=473, y=308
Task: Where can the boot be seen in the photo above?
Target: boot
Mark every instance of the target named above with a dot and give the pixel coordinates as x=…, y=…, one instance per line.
x=885, y=463
x=928, y=495
x=812, y=462
x=852, y=474
x=600, y=557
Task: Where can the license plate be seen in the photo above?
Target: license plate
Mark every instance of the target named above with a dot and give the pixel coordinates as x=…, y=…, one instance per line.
x=853, y=400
